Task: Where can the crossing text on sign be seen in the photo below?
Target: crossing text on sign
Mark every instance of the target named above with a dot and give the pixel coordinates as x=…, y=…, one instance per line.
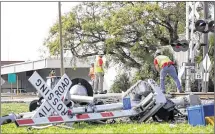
x=48, y=94
x=61, y=89
x=45, y=110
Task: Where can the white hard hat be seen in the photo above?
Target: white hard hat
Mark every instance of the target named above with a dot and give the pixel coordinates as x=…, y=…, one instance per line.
x=100, y=53
x=157, y=52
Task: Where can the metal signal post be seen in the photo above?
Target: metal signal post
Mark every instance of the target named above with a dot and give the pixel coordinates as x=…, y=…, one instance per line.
x=61, y=44
x=198, y=27
x=205, y=48
x=214, y=47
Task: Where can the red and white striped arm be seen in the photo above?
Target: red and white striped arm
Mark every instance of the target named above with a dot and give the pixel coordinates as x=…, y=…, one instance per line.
x=75, y=118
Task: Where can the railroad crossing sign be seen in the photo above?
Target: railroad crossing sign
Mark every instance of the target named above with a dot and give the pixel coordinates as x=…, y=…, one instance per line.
x=53, y=97
x=2, y=81
x=206, y=63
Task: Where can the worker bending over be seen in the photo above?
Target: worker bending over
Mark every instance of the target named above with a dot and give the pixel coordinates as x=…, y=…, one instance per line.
x=92, y=74
x=165, y=66
x=99, y=76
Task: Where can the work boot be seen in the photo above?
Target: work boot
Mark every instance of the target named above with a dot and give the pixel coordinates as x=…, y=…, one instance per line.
x=102, y=92
x=95, y=92
x=164, y=92
x=180, y=91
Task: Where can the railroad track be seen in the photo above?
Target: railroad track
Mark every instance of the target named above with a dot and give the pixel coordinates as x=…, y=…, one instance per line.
x=209, y=95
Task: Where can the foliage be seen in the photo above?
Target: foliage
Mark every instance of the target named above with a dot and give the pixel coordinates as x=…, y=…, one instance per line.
x=127, y=31
x=211, y=55
x=121, y=83
x=170, y=84
x=109, y=128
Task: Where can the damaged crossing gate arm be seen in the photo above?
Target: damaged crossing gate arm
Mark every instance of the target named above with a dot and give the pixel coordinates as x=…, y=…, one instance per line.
x=53, y=97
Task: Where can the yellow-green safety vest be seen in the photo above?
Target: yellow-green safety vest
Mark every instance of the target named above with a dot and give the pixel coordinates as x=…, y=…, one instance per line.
x=162, y=59
x=98, y=69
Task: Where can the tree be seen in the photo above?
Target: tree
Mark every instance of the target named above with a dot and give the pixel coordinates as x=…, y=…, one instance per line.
x=121, y=83
x=127, y=31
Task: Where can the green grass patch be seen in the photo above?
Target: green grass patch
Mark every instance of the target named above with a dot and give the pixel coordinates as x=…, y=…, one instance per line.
x=101, y=128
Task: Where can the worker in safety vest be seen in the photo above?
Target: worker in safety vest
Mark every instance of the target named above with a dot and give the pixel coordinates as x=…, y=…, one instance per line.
x=99, y=76
x=165, y=66
x=92, y=74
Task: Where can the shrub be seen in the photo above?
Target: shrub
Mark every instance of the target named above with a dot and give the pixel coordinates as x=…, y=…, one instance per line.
x=121, y=83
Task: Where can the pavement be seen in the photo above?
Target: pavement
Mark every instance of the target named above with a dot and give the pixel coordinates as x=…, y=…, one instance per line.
x=28, y=99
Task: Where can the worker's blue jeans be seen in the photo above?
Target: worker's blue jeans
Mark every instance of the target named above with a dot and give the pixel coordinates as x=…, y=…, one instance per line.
x=170, y=70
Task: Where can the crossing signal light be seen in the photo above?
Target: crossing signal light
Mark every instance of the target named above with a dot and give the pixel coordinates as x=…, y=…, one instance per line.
x=176, y=46
x=211, y=26
x=182, y=45
x=200, y=26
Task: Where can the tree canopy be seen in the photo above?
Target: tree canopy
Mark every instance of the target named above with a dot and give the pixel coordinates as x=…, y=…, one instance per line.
x=127, y=31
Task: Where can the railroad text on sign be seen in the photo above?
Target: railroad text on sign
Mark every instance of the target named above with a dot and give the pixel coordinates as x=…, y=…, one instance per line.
x=48, y=94
x=60, y=90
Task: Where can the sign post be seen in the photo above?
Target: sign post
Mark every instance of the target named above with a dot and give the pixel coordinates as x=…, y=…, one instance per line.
x=11, y=80
x=17, y=84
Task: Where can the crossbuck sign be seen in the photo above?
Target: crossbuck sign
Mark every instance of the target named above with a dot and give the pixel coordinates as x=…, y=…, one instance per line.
x=53, y=97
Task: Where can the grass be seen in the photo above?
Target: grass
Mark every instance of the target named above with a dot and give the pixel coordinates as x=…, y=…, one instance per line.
x=101, y=128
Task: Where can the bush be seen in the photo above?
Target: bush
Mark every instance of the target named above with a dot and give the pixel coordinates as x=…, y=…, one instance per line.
x=170, y=84
x=121, y=83
x=194, y=86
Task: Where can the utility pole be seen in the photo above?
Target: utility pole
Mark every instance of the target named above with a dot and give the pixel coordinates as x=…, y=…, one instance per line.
x=187, y=81
x=214, y=47
x=205, y=48
x=189, y=36
x=0, y=70
x=61, y=44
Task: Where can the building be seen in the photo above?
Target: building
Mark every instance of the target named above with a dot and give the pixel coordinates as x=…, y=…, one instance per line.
x=24, y=70
x=9, y=62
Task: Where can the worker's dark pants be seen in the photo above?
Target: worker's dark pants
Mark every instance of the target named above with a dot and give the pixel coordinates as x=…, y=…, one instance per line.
x=170, y=70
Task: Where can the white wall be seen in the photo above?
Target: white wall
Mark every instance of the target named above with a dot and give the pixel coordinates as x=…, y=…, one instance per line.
x=180, y=57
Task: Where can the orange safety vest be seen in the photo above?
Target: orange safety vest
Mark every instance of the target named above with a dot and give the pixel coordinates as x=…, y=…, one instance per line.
x=91, y=73
x=98, y=69
x=162, y=59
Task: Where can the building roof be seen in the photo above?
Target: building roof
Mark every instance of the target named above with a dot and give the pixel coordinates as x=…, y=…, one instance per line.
x=9, y=62
x=42, y=64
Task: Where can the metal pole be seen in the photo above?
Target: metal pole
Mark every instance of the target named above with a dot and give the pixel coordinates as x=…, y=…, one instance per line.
x=0, y=65
x=11, y=91
x=17, y=84
x=214, y=57
x=61, y=44
x=205, y=48
x=192, y=34
x=187, y=71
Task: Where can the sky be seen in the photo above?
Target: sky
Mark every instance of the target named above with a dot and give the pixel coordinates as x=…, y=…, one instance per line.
x=25, y=25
